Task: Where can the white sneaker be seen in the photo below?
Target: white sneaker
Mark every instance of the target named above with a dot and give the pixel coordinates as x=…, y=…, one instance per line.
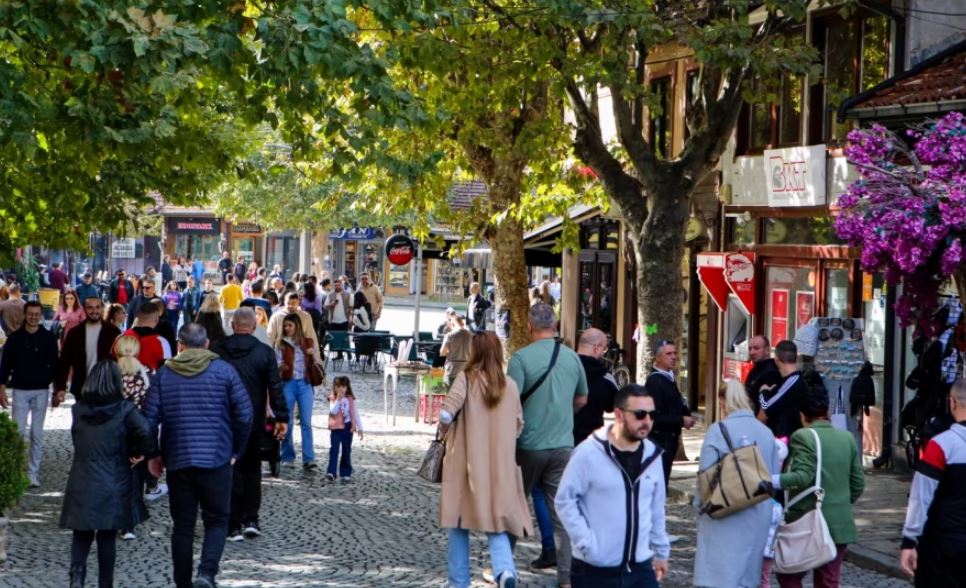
x=159, y=491
x=128, y=536
x=673, y=538
x=34, y=483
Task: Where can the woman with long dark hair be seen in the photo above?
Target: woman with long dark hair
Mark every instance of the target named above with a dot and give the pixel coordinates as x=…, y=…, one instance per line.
x=110, y=436
x=482, y=484
x=70, y=313
x=361, y=313
x=297, y=354
x=210, y=318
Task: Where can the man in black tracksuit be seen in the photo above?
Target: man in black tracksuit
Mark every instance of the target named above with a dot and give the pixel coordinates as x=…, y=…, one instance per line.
x=257, y=367
x=601, y=385
x=780, y=406
x=673, y=413
x=764, y=375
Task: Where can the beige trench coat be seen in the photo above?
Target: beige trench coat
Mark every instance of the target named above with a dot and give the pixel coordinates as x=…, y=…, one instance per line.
x=482, y=483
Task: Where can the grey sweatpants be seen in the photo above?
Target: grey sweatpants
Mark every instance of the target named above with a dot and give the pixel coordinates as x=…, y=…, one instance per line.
x=546, y=467
x=34, y=404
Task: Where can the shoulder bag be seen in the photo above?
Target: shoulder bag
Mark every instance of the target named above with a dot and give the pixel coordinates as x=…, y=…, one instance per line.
x=431, y=469
x=553, y=361
x=806, y=543
x=738, y=481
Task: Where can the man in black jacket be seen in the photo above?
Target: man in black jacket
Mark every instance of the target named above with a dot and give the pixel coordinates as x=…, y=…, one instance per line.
x=118, y=284
x=257, y=367
x=673, y=413
x=764, y=375
x=780, y=406
x=28, y=362
x=601, y=385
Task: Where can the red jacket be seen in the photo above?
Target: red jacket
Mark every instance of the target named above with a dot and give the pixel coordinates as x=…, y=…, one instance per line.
x=152, y=353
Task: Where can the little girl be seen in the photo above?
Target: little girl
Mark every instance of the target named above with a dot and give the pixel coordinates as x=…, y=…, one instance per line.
x=343, y=421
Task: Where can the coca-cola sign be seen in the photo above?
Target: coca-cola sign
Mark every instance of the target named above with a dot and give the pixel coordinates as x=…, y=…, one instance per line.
x=400, y=249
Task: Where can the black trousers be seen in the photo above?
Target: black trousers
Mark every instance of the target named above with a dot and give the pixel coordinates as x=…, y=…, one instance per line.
x=188, y=489
x=940, y=564
x=246, y=485
x=80, y=548
x=668, y=444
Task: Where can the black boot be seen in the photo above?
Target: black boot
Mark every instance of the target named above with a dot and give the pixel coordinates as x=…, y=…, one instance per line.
x=78, y=573
x=547, y=559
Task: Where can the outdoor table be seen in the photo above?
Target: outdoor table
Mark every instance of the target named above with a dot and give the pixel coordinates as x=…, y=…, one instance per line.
x=392, y=371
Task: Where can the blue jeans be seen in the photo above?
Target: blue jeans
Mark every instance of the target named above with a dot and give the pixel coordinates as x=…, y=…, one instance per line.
x=299, y=391
x=584, y=575
x=542, y=511
x=459, y=556
x=341, y=438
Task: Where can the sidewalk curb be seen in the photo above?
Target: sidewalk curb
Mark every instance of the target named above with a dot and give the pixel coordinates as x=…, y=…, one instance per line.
x=681, y=491
x=875, y=561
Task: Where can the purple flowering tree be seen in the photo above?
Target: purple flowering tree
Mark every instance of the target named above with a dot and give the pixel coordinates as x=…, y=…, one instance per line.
x=908, y=211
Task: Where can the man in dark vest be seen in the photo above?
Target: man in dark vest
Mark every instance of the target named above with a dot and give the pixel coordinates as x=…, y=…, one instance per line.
x=673, y=413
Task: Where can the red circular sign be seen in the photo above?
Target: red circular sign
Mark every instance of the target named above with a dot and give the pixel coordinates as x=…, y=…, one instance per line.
x=400, y=249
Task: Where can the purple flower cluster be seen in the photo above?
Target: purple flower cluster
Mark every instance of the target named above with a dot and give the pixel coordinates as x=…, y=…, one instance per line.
x=908, y=210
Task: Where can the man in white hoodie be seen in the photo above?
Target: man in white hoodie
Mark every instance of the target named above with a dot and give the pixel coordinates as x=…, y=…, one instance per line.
x=617, y=541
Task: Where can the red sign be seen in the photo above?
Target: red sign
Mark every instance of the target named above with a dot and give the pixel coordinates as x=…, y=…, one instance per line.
x=400, y=249
x=779, y=314
x=739, y=275
x=711, y=276
x=733, y=368
x=804, y=308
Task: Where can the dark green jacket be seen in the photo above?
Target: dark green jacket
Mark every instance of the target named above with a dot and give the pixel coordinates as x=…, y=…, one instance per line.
x=842, y=477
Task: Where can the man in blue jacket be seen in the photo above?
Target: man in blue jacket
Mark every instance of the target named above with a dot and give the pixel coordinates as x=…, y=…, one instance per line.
x=205, y=415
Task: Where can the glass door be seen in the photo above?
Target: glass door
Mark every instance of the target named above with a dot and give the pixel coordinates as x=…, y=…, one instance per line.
x=596, y=303
x=789, y=300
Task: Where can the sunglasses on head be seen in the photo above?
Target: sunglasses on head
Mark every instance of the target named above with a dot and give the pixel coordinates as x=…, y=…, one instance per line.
x=641, y=414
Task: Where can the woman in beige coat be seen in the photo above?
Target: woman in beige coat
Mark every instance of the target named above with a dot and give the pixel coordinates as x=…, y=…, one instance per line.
x=482, y=484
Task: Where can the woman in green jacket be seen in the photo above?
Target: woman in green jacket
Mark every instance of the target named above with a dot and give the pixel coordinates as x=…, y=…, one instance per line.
x=842, y=481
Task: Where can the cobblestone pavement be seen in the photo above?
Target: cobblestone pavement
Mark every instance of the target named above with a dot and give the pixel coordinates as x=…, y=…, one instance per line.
x=379, y=530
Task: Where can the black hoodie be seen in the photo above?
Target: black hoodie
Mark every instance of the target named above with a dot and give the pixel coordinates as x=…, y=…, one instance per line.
x=601, y=389
x=257, y=367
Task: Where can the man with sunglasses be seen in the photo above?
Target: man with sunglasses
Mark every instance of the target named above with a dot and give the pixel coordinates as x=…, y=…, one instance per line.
x=611, y=500
x=673, y=413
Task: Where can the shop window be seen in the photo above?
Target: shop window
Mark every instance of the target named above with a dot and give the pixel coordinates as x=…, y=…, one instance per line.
x=789, y=300
x=691, y=92
x=398, y=276
x=737, y=329
x=203, y=246
x=244, y=246
x=801, y=231
x=659, y=133
x=596, y=296
x=773, y=124
x=740, y=230
x=449, y=278
x=855, y=56
x=600, y=234
x=837, y=293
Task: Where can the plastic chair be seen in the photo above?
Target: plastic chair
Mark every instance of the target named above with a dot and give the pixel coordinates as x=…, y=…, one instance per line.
x=337, y=342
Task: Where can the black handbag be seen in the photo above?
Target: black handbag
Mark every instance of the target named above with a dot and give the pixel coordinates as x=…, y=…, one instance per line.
x=431, y=469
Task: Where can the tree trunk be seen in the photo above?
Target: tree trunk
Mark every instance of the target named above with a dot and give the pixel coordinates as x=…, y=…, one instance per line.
x=510, y=273
x=659, y=250
x=320, y=248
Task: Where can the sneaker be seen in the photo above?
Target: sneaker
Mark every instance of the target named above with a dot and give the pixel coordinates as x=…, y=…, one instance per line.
x=203, y=582
x=345, y=479
x=128, y=536
x=236, y=535
x=34, y=483
x=251, y=531
x=310, y=466
x=329, y=478
x=547, y=559
x=488, y=576
x=507, y=580
x=673, y=538
x=157, y=492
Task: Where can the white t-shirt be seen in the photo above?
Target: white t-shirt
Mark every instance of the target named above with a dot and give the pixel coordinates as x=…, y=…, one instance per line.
x=92, y=333
x=338, y=311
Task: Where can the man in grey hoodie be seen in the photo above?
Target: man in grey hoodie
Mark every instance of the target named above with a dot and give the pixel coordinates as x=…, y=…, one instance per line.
x=611, y=501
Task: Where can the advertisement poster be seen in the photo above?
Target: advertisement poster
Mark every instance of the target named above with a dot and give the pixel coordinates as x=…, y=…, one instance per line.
x=779, y=315
x=804, y=308
x=739, y=273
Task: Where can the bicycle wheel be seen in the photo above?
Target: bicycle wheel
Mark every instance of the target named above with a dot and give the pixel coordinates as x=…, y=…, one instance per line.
x=622, y=374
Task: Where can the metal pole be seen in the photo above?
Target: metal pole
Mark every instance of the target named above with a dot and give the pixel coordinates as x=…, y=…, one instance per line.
x=419, y=288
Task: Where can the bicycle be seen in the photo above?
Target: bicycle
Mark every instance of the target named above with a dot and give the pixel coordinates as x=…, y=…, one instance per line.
x=614, y=356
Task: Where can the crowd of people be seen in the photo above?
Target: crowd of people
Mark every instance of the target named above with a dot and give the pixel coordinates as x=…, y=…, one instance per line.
x=199, y=406
x=192, y=382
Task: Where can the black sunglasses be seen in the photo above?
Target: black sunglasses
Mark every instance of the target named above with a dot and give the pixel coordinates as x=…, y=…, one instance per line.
x=640, y=414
